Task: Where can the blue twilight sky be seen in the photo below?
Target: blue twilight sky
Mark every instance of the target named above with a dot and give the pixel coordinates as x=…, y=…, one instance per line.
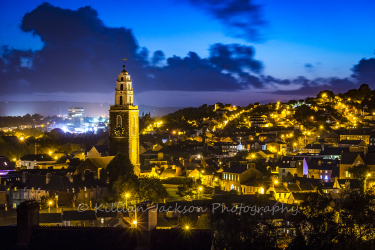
x=265, y=50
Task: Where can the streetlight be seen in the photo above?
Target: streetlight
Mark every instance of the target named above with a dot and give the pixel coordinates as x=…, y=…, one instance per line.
x=49, y=206
x=126, y=200
x=57, y=201
x=199, y=189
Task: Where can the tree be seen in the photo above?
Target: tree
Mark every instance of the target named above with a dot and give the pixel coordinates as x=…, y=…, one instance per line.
x=360, y=172
x=123, y=186
x=143, y=189
x=152, y=189
x=242, y=230
x=187, y=190
x=120, y=166
x=316, y=226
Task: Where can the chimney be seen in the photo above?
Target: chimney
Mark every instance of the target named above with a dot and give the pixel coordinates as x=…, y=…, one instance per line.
x=24, y=177
x=27, y=219
x=48, y=177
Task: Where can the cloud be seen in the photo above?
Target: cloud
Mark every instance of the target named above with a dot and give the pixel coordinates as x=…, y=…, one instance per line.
x=242, y=18
x=158, y=57
x=313, y=87
x=364, y=71
x=308, y=66
x=81, y=54
x=235, y=58
x=193, y=73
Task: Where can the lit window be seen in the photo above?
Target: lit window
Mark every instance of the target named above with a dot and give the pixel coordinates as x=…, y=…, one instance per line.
x=326, y=177
x=320, y=177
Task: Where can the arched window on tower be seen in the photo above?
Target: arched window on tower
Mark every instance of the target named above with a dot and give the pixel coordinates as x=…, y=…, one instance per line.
x=122, y=87
x=130, y=100
x=120, y=100
x=119, y=120
x=122, y=79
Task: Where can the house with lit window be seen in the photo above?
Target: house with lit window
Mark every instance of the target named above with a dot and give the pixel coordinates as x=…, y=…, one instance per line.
x=297, y=198
x=348, y=160
x=277, y=147
x=355, y=135
x=65, y=187
x=313, y=148
x=253, y=186
x=30, y=161
x=291, y=165
x=322, y=168
x=236, y=174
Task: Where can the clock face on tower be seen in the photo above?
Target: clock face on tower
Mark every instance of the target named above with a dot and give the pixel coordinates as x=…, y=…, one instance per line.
x=119, y=131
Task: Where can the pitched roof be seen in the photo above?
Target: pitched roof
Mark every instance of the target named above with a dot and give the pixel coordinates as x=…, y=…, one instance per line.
x=293, y=187
x=281, y=189
x=306, y=186
x=301, y=196
x=162, y=222
x=238, y=169
x=38, y=157
x=50, y=218
x=313, y=146
x=169, y=172
x=252, y=182
x=351, y=142
x=79, y=215
x=349, y=157
x=332, y=151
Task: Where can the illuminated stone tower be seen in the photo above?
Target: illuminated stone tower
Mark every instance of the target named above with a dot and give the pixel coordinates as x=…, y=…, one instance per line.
x=124, y=121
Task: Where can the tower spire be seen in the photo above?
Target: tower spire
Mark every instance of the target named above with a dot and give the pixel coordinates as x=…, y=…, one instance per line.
x=124, y=121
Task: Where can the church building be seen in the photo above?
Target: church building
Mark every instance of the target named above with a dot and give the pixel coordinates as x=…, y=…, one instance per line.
x=124, y=122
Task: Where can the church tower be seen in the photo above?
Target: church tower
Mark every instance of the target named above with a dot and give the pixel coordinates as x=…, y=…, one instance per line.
x=124, y=122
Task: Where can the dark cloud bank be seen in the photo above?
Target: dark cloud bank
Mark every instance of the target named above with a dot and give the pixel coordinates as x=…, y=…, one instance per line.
x=80, y=54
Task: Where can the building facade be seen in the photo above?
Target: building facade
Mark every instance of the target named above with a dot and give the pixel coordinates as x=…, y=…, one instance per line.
x=124, y=121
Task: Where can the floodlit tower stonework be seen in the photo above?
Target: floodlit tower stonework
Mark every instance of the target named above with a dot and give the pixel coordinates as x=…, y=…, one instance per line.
x=124, y=121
